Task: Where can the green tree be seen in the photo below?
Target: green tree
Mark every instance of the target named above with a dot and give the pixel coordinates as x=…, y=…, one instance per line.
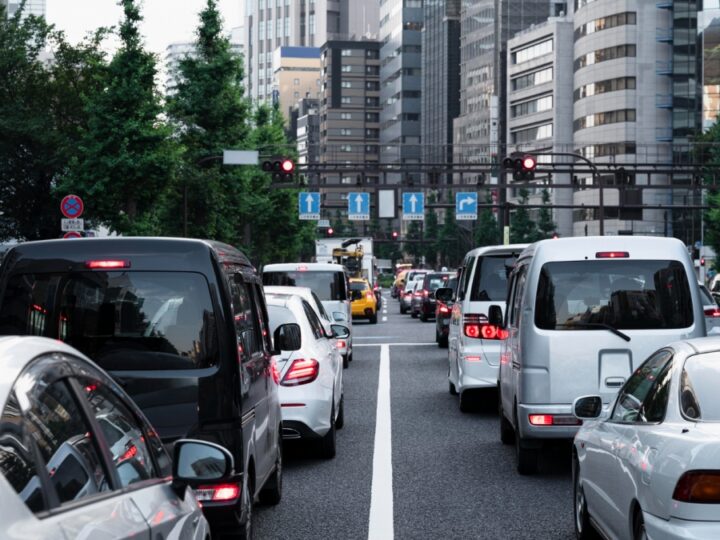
x=487, y=231
x=522, y=228
x=450, y=243
x=545, y=225
x=126, y=156
x=431, y=234
x=414, y=234
x=41, y=116
x=710, y=155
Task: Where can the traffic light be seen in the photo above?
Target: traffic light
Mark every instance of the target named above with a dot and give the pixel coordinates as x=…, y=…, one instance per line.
x=522, y=165
x=330, y=231
x=394, y=235
x=282, y=168
x=702, y=261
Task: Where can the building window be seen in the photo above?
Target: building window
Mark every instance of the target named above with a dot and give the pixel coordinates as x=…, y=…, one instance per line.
x=346, y=148
x=372, y=117
x=605, y=23
x=296, y=82
x=373, y=54
x=346, y=69
x=602, y=87
x=372, y=101
x=346, y=116
x=532, y=134
x=609, y=149
x=346, y=132
x=346, y=52
x=296, y=95
x=346, y=84
x=533, y=51
x=529, y=107
x=532, y=79
x=599, y=119
x=346, y=100
x=603, y=55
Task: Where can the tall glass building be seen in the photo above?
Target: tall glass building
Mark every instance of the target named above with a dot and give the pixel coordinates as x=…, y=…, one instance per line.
x=32, y=7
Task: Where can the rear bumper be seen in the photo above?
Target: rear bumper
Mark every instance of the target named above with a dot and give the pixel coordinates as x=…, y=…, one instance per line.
x=661, y=529
x=529, y=431
x=311, y=420
x=478, y=366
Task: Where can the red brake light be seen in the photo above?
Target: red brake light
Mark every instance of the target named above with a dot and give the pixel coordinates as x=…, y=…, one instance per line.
x=698, y=487
x=541, y=419
x=106, y=265
x=220, y=492
x=301, y=372
x=442, y=308
x=341, y=343
x=274, y=371
x=612, y=255
x=302, y=268
x=370, y=295
x=485, y=331
x=130, y=453
x=472, y=330
x=712, y=312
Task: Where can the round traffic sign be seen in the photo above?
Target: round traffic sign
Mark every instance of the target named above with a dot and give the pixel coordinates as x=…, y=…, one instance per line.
x=72, y=206
x=72, y=234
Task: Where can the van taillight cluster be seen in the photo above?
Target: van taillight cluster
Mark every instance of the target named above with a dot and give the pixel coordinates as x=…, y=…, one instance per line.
x=106, y=264
x=477, y=327
x=301, y=371
x=712, y=312
x=553, y=420
x=698, y=487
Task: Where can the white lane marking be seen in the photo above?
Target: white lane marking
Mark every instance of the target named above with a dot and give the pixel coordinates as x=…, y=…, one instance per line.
x=376, y=337
x=422, y=344
x=381, y=500
x=384, y=319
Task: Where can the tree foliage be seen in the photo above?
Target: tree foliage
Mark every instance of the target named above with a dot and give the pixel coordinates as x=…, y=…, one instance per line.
x=711, y=156
x=545, y=225
x=487, y=231
x=522, y=228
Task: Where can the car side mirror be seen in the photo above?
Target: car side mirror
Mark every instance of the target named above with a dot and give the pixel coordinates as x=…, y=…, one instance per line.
x=444, y=294
x=495, y=316
x=339, y=331
x=287, y=337
x=199, y=461
x=588, y=407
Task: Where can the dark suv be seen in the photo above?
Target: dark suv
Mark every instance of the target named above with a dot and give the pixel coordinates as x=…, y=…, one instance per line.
x=424, y=299
x=182, y=325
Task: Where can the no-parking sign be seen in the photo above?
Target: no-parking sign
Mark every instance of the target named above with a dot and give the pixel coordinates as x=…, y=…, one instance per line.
x=72, y=206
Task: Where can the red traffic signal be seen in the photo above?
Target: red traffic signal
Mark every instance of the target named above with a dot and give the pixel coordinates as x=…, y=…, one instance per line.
x=529, y=163
x=282, y=168
x=394, y=235
x=702, y=261
x=330, y=231
x=287, y=165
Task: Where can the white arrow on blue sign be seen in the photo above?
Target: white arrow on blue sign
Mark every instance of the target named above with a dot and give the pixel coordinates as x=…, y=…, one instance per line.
x=466, y=205
x=413, y=206
x=358, y=206
x=309, y=205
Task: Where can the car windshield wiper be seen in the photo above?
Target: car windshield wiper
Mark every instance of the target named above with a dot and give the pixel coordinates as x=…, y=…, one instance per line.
x=596, y=325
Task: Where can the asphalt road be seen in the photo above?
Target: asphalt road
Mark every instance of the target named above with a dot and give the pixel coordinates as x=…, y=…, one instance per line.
x=451, y=476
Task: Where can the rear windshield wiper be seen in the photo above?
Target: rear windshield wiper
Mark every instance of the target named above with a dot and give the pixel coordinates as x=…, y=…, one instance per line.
x=596, y=325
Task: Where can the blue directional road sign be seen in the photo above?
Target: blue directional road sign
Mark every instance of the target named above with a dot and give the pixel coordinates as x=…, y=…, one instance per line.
x=358, y=206
x=466, y=205
x=413, y=206
x=309, y=205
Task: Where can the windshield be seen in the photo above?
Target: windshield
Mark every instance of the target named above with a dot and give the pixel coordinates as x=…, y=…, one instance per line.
x=165, y=319
x=706, y=297
x=435, y=281
x=491, y=276
x=328, y=285
x=699, y=382
x=629, y=294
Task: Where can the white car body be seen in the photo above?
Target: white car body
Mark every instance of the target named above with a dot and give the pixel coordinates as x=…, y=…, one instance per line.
x=26, y=366
x=711, y=309
x=311, y=409
x=628, y=463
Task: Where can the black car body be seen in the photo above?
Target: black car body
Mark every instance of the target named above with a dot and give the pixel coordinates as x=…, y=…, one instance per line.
x=443, y=314
x=182, y=325
x=423, y=301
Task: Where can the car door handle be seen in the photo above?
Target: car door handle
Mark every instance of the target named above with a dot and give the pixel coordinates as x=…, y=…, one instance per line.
x=614, y=382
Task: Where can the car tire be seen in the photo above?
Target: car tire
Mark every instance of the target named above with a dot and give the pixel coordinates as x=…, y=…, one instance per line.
x=423, y=317
x=507, y=433
x=346, y=361
x=403, y=311
x=467, y=401
x=527, y=458
x=583, y=527
x=328, y=445
x=340, y=420
x=247, y=530
x=373, y=319
x=451, y=389
x=349, y=357
x=413, y=315
x=639, y=532
x=443, y=343
x=271, y=492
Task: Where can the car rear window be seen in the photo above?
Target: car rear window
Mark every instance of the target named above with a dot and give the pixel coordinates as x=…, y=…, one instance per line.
x=434, y=281
x=706, y=297
x=328, y=285
x=357, y=286
x=124, y=320
x=699, y=384
x=629, y=294
x=491, y=277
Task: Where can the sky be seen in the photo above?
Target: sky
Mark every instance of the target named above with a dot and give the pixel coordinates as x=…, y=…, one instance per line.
x=166, y=21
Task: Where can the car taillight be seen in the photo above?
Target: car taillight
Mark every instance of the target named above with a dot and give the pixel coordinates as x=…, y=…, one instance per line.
x=442, y=308
x=541, y=419
x=553, y=420
x=698, y=487
x=341, y=344
x=612, y=255
x=106, y=265
x=485, y=331
x=301, y=372
x=218, y=493
x=369, y=295
x=712, y=312
x=274, y=371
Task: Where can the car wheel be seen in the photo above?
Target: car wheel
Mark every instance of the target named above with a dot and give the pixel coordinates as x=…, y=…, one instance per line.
x=346, y=360
x=467, y=401
x=507, y=433
x=583, y=528
x=443, y=343
x=340, y=421
x=423, y=317
x=451, y=389
x=527, y=458
x=272, y=491
x=639, y=525
x=403, y=311
x=413, y=315
x=328, y=442
x=373, y=319
x=247, y=532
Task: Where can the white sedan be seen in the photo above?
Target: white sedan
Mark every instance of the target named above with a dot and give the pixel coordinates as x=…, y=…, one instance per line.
x=311, y=383
x=649, y=466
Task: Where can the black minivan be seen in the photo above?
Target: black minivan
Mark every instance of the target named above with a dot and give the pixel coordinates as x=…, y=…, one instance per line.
x=182, y=325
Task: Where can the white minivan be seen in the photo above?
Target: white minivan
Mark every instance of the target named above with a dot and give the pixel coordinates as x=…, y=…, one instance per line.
x=328, y=281
x=582, y=314
x=473, y=344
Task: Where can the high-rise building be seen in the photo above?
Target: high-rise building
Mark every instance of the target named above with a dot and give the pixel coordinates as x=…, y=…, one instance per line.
x=177, y=51
x=32, y=7
x=350, y=108
x=270, y=24
x=441, y=78
x=401, y=23
x=709, y=28
x=296, y=73
x=308, y=131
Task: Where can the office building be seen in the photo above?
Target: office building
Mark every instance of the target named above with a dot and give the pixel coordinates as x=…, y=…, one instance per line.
x=177, y=51
x=270, y=24
x=440, y=103
x=709, y=31
x=307, y=132
x=32, y=7
x=296, y=73
x=350, y=108
x=539, y=115
x=401, y=23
